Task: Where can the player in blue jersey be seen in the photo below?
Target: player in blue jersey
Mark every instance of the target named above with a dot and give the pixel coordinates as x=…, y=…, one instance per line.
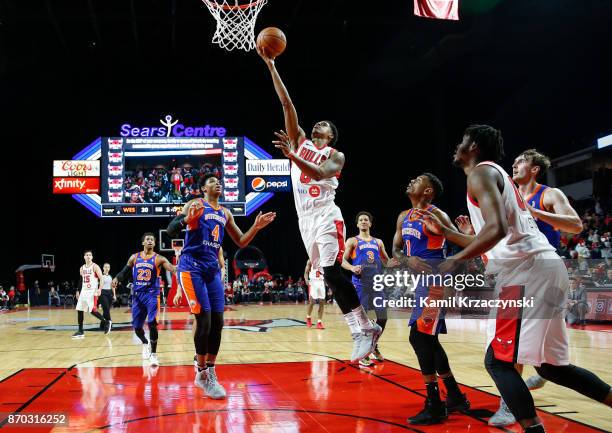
x=144, y=268
x=367, y=257
x=199, y=273
x=422, y=250
x=553, y=214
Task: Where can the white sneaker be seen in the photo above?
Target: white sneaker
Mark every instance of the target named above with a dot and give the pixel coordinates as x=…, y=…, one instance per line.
x=366, y=362
x=200, y=379
x=368, y=340
x=213, y=388
x=503, y=417
x=153, y=360
x=356, y=343
x=535, y=382
x=146, y=351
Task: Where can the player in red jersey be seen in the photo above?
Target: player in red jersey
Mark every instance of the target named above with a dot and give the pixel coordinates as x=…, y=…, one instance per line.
x=315, y=170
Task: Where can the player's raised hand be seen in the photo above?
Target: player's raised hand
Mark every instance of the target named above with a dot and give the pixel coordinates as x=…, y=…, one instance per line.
x=263, y=220
x=264, y=55
x=283, y=143
x=356, y=269
x=196, y=209
x=431, y=221
x=464, y=225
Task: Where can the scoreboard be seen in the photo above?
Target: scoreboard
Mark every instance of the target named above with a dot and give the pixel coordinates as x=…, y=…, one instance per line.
x=152, y=176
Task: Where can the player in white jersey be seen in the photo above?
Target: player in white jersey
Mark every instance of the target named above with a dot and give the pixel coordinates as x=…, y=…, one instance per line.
x=87, y=297
x=315, y=170
x=316, y=292
x=526, y=265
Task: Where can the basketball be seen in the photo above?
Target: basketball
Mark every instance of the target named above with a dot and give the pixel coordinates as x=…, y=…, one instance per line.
x=273, y=40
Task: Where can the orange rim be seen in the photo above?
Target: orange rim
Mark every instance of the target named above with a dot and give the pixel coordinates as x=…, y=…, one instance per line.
x=231, y=8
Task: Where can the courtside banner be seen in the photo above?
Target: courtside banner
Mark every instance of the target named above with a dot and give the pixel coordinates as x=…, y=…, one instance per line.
x=76, y=185
x=76, y=168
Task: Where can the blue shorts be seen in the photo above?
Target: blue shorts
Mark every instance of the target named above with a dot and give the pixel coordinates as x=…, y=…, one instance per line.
x=145, y=305
x=369, y=298
x=201, y=283
x=428, y=320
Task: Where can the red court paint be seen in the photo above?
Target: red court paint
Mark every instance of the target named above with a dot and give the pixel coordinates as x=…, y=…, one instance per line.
x=276, y=397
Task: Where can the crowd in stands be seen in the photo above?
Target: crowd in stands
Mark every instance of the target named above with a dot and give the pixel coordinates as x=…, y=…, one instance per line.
x=268, y=291
x=159, y=185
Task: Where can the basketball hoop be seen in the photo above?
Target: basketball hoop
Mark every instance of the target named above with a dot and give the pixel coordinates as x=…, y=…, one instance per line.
x=177, y=246
x=235, y=23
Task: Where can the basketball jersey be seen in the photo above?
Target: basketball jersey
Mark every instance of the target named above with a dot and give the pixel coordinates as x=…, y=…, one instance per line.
x=90, y=279
x=315, y=275
x=204, y=241
x=145, y=275
x=536, y=200
x=308, y=193
x=106, y=282
x=367, y=255
x=418, y=241
x=523, y=238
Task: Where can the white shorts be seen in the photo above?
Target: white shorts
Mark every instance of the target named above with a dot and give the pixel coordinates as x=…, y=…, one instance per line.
x=316, y=290
x=87, y=301
x=323, y=234
x=532, y=335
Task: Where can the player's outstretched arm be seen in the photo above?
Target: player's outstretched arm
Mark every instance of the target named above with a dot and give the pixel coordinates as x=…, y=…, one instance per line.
x=329, y=168
x=563, y=216
x=296, y=134
x=222, y=264
x=165, y=263
x=125, y=272
x=243, y=239
x=484, y=184
x=348, y=251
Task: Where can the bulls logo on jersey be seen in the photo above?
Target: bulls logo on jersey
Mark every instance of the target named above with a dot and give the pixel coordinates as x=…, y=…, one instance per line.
x=314, y=191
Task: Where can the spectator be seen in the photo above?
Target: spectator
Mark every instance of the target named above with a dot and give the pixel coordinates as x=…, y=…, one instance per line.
x=577, y=306
x=11, y=295
x=608, y=280
x=583, y=253
x=54, y=297
x=4, y=299
x=229, y=294
x=266, y=296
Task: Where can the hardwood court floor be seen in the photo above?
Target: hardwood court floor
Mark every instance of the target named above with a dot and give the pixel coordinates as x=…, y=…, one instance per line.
x=280, y=376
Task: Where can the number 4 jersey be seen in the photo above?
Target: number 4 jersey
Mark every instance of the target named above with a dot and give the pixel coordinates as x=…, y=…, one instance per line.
x=204, y=238
x=523, y=238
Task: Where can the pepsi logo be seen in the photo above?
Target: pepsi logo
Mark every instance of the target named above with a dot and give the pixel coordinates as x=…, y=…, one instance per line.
x=258, y=184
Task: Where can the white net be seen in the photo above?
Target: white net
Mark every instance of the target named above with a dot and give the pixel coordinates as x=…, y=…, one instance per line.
x=235, y=23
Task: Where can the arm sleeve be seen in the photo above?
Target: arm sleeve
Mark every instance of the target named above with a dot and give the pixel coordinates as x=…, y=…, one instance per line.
x=121, y=276
x=176, y=225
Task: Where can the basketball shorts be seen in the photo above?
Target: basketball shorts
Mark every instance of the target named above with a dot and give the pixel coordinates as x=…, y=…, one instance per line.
x=201, y=284
x=316, y=289
x=145, y=306
x=323, y=232
x=429, y=319
x=369, y=298
x=536, y=334
x=87, y=301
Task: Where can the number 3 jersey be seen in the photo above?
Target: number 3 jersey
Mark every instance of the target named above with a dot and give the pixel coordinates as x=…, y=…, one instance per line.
x=367, y=255
x=523, y=238
x=145, y=275
x=204, y=239
x=310, y=194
